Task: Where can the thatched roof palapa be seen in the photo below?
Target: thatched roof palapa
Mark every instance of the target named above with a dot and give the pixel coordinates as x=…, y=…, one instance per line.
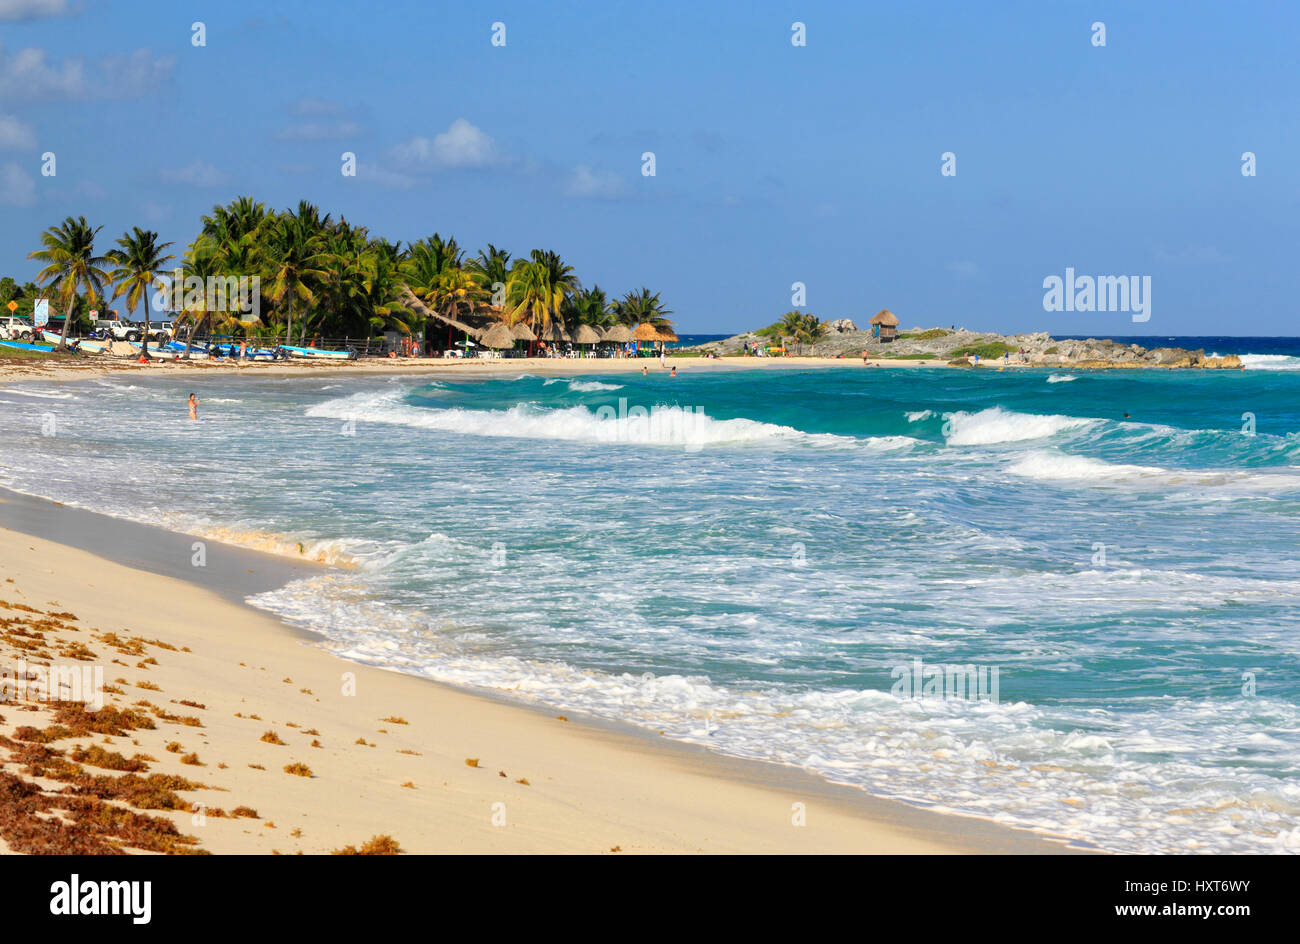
x=619, y=334
x=885, y=317
x=554, y=331
x=586, y=334
x=521, y=332
x=645, y=332
x=667, y=334
x=497, y=335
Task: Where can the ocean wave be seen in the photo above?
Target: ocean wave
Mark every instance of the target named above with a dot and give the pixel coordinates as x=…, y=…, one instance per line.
x=1058, y=466
x=996, y=425
x=1270, y=362
x=1061, y=378
x=1055, y=466
x=610, y=424
x=919, y=415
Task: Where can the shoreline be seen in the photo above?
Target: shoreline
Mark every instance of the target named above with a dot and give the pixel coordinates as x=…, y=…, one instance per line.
x=60, y=372
x=593, y=785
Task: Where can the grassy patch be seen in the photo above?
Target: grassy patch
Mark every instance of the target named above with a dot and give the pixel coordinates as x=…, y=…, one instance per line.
x=986, y=352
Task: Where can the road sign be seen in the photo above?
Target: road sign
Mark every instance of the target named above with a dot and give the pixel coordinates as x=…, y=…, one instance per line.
x=13, y=306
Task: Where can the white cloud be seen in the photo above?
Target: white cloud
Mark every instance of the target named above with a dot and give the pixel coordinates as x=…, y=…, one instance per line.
x=23, y=10
x=29, y=75
x=195, y=174
x=586, y=182
x=17, y=187
x=461, y=145
x=14, y=135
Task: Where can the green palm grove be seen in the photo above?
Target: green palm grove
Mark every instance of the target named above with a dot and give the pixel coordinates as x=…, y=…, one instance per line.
x=321, y=277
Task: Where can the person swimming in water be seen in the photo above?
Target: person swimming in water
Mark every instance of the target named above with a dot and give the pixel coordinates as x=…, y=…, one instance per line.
x=674, y=371
x=194, y=407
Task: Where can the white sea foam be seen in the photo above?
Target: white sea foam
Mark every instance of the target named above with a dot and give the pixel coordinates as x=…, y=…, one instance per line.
x=589, y=386
x=1061, y=378
x=1057, y=466
x=1270, y=362
x=996, y=425
x=919, y=415
x=614, y=423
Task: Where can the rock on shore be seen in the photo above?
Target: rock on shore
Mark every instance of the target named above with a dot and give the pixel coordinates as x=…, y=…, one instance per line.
x=1038, y=348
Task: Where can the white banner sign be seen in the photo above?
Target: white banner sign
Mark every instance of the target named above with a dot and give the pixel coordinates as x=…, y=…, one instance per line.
x=42, y=313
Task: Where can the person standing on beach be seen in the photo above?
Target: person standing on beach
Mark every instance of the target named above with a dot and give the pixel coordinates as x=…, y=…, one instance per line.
x=194, y=407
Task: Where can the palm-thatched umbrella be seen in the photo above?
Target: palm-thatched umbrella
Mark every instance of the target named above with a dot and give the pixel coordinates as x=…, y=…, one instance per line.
x=667, y=334
x=619, y=334
x=645, y=332
x=522, y=332
x=586, y=334
x=497, y=335
x=554, y=332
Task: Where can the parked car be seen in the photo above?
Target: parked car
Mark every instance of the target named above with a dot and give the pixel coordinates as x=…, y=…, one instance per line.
x=16, y=329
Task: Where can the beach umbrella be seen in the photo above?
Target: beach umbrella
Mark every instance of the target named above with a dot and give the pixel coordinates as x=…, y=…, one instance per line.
x=554, y=332
x=521, y=332
x=618, y=334
x=497, y=335
x=645, y=332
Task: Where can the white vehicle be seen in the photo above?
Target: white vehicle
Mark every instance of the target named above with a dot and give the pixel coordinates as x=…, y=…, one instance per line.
x=16, y=329
x=134, y=330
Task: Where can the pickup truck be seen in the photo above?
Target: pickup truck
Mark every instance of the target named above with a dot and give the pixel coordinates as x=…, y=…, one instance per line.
x=132, y=330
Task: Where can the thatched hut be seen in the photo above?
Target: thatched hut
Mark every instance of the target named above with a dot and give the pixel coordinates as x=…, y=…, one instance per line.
x=645, y=332
x=586, y=334
x=885, y=325
x=667, y=335
x=522, y=332
x=618, y=334
x=498, y=336
x=554, y=332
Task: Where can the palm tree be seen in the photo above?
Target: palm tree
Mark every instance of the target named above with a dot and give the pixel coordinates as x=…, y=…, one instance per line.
x=71, y=264
x=492, y=265
x=589, y=307
x=813, y=330
x=642, y=307
x=292, y=255
x=537, y=288
x=790, y=326
x=139, y=263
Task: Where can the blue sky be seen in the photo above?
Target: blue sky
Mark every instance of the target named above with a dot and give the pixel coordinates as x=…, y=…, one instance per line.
x=774, y=163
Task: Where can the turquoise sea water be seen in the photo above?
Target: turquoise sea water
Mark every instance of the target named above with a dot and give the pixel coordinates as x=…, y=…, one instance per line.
x=750, y=565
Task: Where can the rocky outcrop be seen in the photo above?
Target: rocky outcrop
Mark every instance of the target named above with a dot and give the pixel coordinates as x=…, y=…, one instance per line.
x=1035, y=349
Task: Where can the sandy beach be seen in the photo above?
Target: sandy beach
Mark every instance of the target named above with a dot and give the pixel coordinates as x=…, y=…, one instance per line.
x=228, y=697
x=549, y=366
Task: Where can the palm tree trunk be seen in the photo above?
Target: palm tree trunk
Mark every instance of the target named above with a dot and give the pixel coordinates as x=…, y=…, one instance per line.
x=67, y=320
x=144, y=338
x=189, y=339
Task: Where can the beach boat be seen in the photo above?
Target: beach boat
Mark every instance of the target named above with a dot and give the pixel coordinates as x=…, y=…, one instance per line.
x=319, y=353
x=25, y=346
x=89, y=345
